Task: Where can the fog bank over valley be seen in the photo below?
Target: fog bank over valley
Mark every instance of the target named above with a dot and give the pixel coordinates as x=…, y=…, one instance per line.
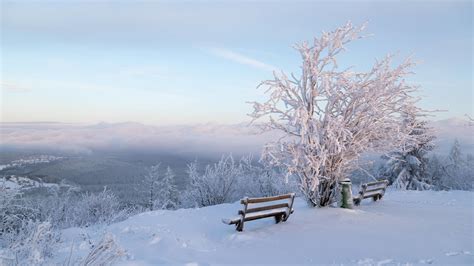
x=204, y=140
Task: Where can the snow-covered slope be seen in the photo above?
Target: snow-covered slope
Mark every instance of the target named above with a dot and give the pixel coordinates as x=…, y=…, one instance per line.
x=404, y=228
x=30, y=160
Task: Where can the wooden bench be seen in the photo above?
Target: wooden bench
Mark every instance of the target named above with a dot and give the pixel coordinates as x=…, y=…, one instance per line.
x=374, y=190
x=280, y=211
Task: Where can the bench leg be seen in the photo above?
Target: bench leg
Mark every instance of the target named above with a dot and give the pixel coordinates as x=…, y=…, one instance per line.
x=239, y=226
x=278, y=218
x=377, y=197
x=357, y=201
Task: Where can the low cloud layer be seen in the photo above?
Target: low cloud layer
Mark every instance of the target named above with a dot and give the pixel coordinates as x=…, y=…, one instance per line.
x=205, y=139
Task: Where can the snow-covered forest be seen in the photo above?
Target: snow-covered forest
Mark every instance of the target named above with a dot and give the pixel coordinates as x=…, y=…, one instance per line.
x=327, y=123
x=33, y=226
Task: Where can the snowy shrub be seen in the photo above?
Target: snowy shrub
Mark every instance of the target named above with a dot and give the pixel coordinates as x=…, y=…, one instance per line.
x=228, y=181
x=106, y=252
x=58, y=208
x=33, y=244
x=65, y=210
x=436, y=172
x=14, y=210
x=72, y=209
x=100, y=208
x=216, y=185
x=260, y=181
x=329, y=116
x=367, y=171
x=461, y=178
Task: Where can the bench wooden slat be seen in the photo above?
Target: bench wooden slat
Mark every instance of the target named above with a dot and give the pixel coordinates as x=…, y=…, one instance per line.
x=371, y=194
x=260, y=215
x=381, y=189
x=376, y=183
x=266, y=199
x=269, y=207
x=281, y=211
x=255, y=216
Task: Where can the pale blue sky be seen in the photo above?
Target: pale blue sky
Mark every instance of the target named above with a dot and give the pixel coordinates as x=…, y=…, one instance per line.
x=198, y=62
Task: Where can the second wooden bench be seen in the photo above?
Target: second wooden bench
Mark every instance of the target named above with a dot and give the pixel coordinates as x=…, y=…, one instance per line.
x=374, y=190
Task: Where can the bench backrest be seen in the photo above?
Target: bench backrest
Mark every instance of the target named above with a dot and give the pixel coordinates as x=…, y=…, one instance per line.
x=377, y=187
x=247, y=201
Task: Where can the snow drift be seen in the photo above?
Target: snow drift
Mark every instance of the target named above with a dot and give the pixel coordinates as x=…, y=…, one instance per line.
x=406, y=227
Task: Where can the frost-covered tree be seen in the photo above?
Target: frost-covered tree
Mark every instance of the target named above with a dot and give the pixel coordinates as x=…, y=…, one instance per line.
x=455, y=155
x=261, y=180
x=436, y=172
x=150, y=185
x=168, y=197
x=329, y=116
x=216, y=185
x=459, y=172
x=406, y=168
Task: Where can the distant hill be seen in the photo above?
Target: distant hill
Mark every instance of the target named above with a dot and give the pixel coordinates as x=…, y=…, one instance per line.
x=448, y=130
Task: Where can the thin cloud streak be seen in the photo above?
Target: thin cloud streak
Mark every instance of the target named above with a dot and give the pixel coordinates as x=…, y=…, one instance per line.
x=13, y=87
x=241, y=59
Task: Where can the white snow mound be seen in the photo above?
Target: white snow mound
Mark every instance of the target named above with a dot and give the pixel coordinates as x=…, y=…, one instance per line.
x=405, y=227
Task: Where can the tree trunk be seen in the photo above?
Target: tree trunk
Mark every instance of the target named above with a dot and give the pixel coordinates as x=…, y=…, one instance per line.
x=326, y=192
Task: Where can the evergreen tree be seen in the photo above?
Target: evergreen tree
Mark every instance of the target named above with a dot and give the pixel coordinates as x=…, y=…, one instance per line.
x=459, y=174
x=436, y=172
x=407, y=167
x=455, y=155
x=151, y=185
x=168, y=197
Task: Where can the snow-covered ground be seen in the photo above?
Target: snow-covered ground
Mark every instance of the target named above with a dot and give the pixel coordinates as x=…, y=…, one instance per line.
x=404, y=228
x=31, y=160
x=23, y=183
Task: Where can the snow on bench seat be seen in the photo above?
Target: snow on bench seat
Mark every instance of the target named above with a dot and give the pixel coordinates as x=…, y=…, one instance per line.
x=256, y=215
x=280, y=211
